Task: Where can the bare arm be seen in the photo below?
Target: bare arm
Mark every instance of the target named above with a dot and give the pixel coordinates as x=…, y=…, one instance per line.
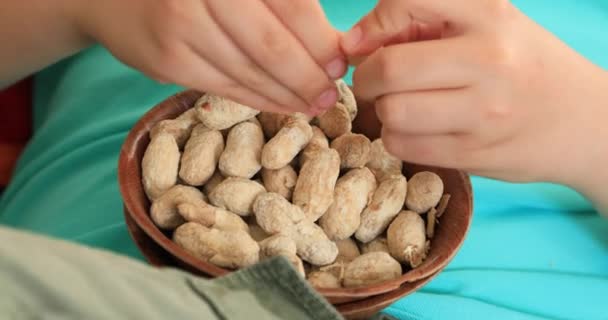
x=34, y=34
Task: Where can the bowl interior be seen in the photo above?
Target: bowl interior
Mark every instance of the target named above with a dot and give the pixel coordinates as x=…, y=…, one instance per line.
x=449, y=233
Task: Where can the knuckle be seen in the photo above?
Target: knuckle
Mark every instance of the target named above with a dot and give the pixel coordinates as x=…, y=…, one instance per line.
x=424, y=152
x=168, y=58
x=311, y=84
x=251, y=76
x=494, y=106
x=387, y=20
x=386, y=68
x=392, y=144
x=498, y=9
x=386, y=112
x=172, y=9
x=172, y=19
x=276, y=47
x=501, y=57
x=498, y=112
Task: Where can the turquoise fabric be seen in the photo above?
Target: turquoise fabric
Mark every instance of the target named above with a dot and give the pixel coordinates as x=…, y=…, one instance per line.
x=535, y=251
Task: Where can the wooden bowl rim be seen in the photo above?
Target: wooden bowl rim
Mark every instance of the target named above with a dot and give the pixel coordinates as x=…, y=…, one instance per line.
x=177, y=104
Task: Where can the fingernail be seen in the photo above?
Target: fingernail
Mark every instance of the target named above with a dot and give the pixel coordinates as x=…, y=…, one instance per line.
x=352, y=39
x=336, y=68
x=327, y=99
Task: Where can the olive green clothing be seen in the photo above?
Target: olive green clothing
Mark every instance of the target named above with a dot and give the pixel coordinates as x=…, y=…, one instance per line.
x=42, y=278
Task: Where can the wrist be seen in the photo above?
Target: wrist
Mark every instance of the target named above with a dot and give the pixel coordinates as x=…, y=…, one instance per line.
x=589, y=160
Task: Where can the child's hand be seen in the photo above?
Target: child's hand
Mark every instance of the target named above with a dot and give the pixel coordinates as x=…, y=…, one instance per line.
x=497, y=95
x=271, y=55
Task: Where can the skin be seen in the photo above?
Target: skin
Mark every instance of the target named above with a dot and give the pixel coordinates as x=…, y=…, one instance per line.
x=285, y=59
x=492, y=86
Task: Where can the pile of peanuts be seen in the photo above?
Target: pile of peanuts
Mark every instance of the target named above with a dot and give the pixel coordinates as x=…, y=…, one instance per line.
x=234, y=185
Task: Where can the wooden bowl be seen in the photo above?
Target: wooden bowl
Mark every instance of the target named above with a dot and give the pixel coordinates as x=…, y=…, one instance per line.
x=449, y=233
x=359, y=309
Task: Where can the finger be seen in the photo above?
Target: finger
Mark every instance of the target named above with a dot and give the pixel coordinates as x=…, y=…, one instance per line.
x=228, y=58
x=433, y=150
x=188, y=69
x=425, y=65
x=307, y=21
x=275, y=50
x=420, y=32
x=400, y=19
x=429, y=112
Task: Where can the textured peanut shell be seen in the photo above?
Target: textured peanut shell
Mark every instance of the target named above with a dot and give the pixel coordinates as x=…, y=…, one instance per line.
x=312, y=243
x=301, y=116
x=317, y=142
x=277, y=245
x=354, y=150
x=228, y=249
x=431, y=219
x=218, y=113
x=347, y=98
x=322, y=279
x=255, y=121
x=242, y=156
x=353, y=192
x=406, y=238
x=256, y=232
x=164, y=209
x=335, y=121
x=314, y=190
x=386, y=204
x=347, y=250
x=271, y=122
x=211, y=217
x=213, y=182
x=275, y=214
x=378, y=244
x=180, y=127
x=371, y=268
x=382, y=163
x=159, y=165
x=201, y=154
x=281, y=181
x=443, y=204
x=286, y=144
x=236, y=195
x=424, y=191
x=336, y=268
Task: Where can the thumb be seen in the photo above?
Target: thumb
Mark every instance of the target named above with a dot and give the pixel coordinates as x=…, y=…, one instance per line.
x=398, y=21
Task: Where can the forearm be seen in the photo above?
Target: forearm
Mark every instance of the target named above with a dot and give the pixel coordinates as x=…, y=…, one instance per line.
x=35, y=34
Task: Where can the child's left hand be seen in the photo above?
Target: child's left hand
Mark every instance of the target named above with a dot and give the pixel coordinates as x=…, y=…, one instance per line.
x=497, y=95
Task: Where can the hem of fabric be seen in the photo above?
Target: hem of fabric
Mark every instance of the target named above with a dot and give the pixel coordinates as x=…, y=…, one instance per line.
x=280, y=273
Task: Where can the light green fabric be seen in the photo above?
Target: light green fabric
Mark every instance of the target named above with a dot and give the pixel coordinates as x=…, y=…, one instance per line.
x=53, y=279
x=534, y=250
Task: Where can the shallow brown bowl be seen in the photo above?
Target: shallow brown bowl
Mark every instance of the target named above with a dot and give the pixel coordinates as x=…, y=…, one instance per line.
x=449, y=233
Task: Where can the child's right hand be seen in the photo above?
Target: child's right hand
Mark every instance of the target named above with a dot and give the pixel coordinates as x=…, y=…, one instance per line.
x=272, y=55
